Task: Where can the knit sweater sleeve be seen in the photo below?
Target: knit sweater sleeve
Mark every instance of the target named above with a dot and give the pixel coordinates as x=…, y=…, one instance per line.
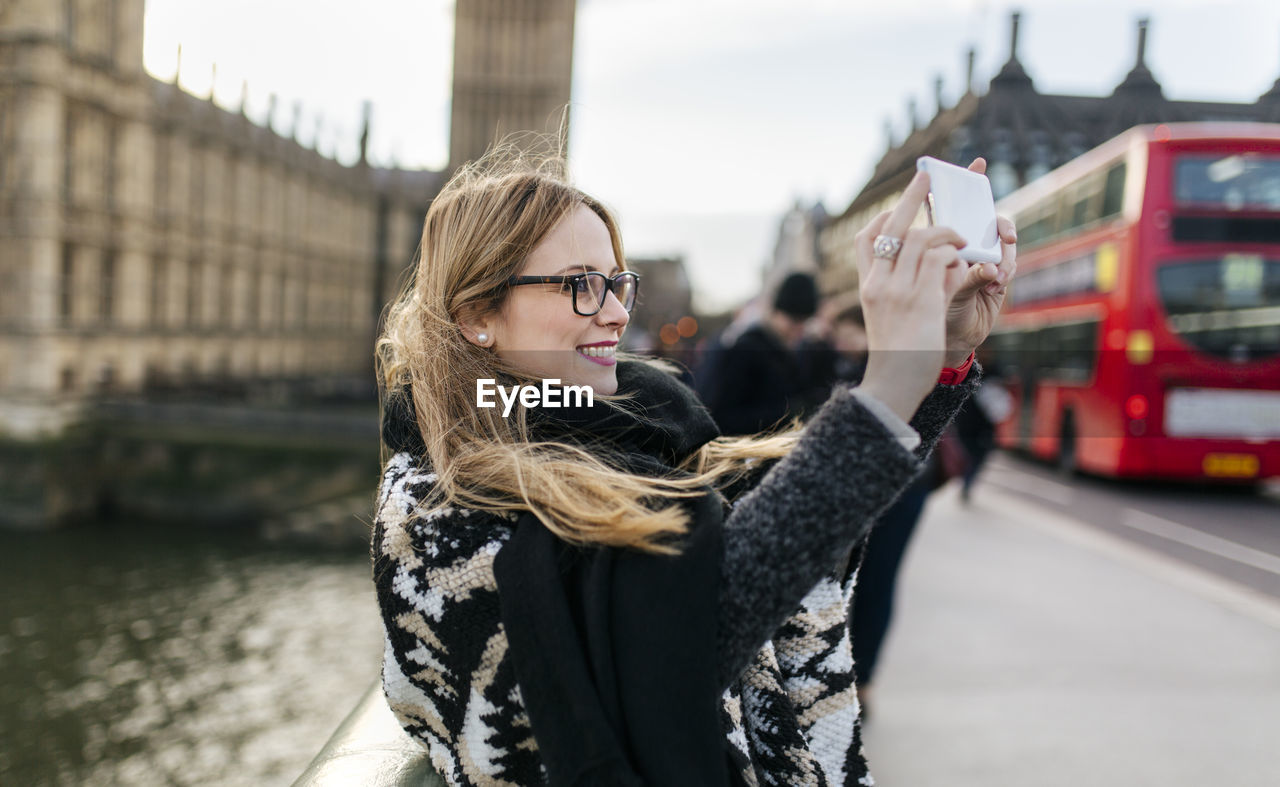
x=808, y=511
x=939, y=409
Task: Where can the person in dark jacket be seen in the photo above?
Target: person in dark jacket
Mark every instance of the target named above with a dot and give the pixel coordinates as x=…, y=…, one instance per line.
x=878, y=557
x=757, y=380
x=975, y=425
x=584, y=590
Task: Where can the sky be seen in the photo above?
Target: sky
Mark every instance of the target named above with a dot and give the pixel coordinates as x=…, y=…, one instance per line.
x=701, y=121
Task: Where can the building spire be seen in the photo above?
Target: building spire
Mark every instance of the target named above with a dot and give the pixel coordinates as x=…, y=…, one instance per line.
x=244, y=96
x=1142, y=42
x=1012, y=75
x=177, y=70
x=1140, y=81
x=1014, y=19
x=937, y=94
x=968, y=74
x=364, y=133
x=911, y=114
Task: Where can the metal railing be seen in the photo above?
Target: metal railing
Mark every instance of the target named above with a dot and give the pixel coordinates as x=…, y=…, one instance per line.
x=370, y=748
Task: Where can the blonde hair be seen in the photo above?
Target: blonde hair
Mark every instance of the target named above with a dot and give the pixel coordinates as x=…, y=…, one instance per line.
x=477, y=233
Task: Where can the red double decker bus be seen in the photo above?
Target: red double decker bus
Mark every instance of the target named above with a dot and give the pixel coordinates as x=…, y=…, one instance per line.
x=1141, y=336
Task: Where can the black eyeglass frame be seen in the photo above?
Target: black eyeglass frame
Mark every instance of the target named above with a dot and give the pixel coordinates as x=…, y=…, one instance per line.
x=610, y=282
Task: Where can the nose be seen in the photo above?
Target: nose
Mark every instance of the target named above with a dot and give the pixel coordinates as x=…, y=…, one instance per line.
x=611, y=313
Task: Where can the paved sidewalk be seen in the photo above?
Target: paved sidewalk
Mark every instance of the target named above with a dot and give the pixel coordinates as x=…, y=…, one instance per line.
x=1029, y=649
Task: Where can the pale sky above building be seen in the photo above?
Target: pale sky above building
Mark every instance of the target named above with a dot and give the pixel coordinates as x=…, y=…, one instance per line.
x=701, y=121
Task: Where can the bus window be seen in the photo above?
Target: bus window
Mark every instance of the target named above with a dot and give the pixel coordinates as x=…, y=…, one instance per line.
x=1069, y=352
x=1237, y=181
x=1113, y=191
x=1040, y=222
x=1036, y=353
x=1005, y=348
x=1227, y=306
x=1085, y=201
x=1015, y=352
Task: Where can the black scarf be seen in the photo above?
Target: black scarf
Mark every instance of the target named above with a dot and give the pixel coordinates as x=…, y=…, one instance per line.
x=664, y=422
x=614, y=649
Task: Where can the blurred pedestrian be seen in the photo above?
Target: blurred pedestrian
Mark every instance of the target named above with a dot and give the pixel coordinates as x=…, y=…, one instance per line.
x=755, y=381
x=975, y=424
x=878, y=557
x=817, y=354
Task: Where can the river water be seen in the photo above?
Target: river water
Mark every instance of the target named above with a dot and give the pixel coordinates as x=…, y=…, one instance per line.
x=153, y=656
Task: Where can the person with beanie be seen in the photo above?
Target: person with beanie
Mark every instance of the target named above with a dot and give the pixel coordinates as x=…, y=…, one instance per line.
x=757, y=381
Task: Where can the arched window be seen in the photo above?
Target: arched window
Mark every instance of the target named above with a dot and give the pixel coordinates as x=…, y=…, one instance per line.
x=90, y=27
x=6, y=138
x=159, y=282
x=107, y=287
x=67, y=285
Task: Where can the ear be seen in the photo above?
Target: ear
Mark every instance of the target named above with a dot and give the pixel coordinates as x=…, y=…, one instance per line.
x=479, y=328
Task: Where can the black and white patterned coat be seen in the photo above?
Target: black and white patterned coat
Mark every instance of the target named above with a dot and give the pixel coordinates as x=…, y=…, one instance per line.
x=791, y=714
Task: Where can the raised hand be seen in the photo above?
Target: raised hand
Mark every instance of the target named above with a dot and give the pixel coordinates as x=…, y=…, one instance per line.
x=973, y=309
x=907, y=278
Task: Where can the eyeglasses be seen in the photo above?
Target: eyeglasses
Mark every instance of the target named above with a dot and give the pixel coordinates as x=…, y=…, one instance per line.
x=590, y=289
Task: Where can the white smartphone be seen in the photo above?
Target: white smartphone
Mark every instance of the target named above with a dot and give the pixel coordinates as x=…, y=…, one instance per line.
x=962, y=200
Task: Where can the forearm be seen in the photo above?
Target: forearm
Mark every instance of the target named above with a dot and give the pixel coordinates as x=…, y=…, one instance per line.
x=802, y=518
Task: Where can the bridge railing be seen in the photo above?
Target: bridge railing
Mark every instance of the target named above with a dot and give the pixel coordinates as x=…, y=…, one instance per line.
x=371, y=748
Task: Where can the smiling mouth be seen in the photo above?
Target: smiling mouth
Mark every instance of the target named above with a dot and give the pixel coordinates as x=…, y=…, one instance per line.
x=601, y=354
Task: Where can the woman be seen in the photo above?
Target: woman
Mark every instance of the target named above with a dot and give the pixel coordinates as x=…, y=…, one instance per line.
x=609, y=592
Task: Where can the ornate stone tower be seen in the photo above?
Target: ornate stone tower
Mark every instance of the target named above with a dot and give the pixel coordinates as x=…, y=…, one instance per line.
x=512, y=66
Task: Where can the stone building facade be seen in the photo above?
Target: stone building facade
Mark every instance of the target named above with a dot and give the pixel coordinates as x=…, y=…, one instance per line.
x=149, y=238
x=512, y=66
x=1022, y=133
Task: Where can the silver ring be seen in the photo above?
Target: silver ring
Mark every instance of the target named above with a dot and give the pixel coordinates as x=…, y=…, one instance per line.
x=886, y=247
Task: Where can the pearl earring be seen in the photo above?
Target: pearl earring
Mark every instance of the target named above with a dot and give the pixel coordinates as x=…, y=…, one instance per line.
x=482, y=337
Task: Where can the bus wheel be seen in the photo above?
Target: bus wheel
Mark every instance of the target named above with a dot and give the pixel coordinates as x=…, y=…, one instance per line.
x=1067, y=445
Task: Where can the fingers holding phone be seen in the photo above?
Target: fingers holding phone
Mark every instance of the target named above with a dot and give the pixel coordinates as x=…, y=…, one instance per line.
x=976, y=296
x=943, y=286
x=907, y=277
x=928, y=252
x=889, y=248
x=993, y=278
x=881, y=242
x=1008, y=259
x=961, y=199
x=989, y=275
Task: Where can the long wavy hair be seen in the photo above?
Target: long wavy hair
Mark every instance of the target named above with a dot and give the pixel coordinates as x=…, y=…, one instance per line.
x=477, y=233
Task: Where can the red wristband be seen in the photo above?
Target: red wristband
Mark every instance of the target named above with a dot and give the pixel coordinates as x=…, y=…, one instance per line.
x=956, y=376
